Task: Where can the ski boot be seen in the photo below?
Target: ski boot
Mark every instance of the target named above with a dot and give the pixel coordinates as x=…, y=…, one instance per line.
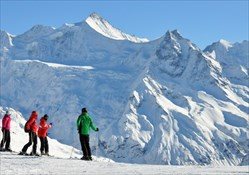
x=34, y=154
x=84, y=158
x=8, y=150
x=23, y=153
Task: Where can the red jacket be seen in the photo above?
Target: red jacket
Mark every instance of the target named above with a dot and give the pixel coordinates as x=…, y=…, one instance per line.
x=31, y=124
x=43, y=128
x=6, y=122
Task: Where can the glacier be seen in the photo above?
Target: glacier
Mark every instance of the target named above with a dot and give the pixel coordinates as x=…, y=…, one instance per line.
x=164, y=101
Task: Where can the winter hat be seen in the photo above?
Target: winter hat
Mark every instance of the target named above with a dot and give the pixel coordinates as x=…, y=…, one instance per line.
x=45, y=116
x=34, y=113
x=8, y=112
x=84, y=110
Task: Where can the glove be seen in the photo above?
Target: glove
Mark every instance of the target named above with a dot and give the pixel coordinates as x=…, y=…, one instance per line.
x=51, y=124
x=97, y=129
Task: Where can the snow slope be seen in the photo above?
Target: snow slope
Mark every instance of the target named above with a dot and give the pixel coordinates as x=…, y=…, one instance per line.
x=21, y=165
x=103, y=27
x=5, y=42
x=185, y=110
x=233, y=59
x=160, y=102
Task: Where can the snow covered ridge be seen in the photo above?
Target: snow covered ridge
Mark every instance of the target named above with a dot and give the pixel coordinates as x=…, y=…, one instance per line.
x=5, y=42
x=233, y=59
x=160, y=102
x=55, y=65
x=103, y=27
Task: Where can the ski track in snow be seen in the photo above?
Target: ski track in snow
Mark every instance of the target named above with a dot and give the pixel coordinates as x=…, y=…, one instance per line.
x=24, y=165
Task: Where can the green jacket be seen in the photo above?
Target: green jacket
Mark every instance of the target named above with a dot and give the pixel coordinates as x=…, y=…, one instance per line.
x=84, y=123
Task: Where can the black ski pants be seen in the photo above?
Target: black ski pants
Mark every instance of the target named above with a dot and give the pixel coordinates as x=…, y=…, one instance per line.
x=84, y=141
x=44, y=144
x=6, y=139
x=32, y=140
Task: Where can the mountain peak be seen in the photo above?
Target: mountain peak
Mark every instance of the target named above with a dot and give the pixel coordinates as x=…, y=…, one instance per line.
x=225, y=43
x=39, y=28
x=177, y=33
x=168, y=35
x=173, y=35
x=103, y=27
x=35, y=32
x=221, y=45
x=95, y=15
x=5, y=39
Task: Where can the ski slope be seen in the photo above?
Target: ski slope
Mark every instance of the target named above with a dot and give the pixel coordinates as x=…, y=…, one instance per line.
x=23, y=165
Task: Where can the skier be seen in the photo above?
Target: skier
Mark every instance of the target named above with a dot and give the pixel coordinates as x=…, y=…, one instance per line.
x=84, y=123
x=6, y=132
x=32, y=128
x=42, y=133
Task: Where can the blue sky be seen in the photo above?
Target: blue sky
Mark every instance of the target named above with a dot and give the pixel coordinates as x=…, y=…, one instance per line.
x=202, y=22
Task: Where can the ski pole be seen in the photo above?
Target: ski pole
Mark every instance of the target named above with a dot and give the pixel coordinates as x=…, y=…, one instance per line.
x=97, y=145
x=71, y=152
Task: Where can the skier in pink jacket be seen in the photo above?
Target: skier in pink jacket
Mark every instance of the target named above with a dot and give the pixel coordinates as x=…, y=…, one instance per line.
x=6, y=132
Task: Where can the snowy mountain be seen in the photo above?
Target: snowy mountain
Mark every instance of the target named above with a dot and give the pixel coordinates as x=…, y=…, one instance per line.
x=105, y=28
x=5, y=42
x=160, y=102
x=233, y=59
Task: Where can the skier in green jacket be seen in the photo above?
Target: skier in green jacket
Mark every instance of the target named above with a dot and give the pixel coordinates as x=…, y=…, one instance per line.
x=84, y=123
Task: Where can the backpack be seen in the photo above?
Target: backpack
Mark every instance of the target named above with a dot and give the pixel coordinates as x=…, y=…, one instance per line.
x=26, y=129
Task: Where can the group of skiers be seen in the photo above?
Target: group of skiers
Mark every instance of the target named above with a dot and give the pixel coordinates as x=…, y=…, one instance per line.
x=84, y=124
x=34, y=130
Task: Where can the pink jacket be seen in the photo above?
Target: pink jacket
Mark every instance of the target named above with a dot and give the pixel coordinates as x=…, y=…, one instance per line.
x=6, y=122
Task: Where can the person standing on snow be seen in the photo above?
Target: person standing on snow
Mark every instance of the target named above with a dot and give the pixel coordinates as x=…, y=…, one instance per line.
x=6, y=132
x=42, y=134
x=32, y=128
x=84, y=123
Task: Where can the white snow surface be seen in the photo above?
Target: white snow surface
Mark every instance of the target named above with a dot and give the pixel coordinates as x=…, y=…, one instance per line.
x=161, y=102
x=23, y=165
x=105, y=28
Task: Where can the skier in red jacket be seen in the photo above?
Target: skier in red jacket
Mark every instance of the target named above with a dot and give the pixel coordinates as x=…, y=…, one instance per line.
x=33, y=129
x=42, y=133
x=6, y=132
